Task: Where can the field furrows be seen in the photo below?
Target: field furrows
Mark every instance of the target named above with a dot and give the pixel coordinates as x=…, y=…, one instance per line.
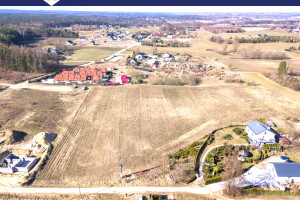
x=134, y=122
x=62, y=150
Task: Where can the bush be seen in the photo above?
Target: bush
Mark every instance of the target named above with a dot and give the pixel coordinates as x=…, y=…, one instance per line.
x=191, y=179
x=227, y=137
x=238, y=131
x=270, y=192
x=212, y=180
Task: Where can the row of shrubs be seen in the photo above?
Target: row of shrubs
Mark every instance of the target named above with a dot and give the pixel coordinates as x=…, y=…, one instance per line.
x=191, y=150
x=212, y=180
x=275, y=146
x=270, y=192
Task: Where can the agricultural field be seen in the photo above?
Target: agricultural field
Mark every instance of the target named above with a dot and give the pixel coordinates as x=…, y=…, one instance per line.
x=142, y=124
x=87, y=54
x=35, y=112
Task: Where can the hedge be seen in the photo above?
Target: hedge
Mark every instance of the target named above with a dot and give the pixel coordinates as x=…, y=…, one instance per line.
x=191, y=179
x=212, y=180
x=268, y=192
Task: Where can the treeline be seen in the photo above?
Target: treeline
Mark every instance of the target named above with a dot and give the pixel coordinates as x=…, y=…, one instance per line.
x=287, y=39
x=19, y=36
x=216, y=30
x=16, y=58
x=67, y=19
x=165, y=43
x=257, y=53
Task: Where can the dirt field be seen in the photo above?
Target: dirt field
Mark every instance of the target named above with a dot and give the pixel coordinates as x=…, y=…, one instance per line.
x=144, y=123
x=30, y=111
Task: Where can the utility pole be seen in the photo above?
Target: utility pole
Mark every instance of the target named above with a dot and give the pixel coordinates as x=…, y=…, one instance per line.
x=79, y=190
x=121, y=175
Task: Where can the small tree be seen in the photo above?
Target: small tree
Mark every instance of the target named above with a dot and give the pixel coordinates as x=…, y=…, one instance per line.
x=235, y=45
x=154, y=51
x=282, y=69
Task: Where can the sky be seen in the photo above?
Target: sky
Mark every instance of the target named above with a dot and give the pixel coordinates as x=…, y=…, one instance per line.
x=188, y=9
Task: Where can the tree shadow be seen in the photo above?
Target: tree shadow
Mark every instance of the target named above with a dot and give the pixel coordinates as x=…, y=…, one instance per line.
x=18, y=136
x=142, y=171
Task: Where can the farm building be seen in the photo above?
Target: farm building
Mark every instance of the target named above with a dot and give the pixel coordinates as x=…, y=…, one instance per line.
x=81, y=75
x=17, y=163
x=260, y=134
x=285, y=173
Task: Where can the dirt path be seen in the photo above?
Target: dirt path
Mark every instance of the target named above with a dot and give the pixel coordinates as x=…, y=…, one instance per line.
x=51, y=88
x=210, y=189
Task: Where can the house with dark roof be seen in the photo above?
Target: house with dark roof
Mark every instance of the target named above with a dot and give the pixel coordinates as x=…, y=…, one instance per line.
x=259, y=134
x=82, y=38
x=69, y=43
x=285, y=173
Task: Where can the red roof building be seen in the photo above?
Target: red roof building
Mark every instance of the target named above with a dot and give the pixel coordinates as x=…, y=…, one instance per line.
x=81, y=74
x=284, y=140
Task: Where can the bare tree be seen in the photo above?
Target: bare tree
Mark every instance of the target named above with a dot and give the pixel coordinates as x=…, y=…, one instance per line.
x=235, y=45
x=232, y=175
x=225, y=47
x=154, y=51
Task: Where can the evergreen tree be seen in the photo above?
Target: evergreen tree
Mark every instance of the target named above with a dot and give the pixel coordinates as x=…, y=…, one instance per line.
x=282, y=69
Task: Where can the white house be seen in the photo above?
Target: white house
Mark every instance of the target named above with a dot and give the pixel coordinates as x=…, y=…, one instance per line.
x=285, y=173
x=260, y=134
x=69, y=43
x=17, y=163
x=166, y=55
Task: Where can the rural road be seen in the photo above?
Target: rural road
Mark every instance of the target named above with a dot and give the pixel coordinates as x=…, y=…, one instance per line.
x=210, y=189
x=51, y=88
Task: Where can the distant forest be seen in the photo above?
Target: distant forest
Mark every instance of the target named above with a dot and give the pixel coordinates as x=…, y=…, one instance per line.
x=18, y=36
x=16, y=58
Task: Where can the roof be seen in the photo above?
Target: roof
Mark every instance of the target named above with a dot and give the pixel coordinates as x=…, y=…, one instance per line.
x=270, y=123
x=4, y=154
x=284, y=139
x=257, y=127
x=287, y=169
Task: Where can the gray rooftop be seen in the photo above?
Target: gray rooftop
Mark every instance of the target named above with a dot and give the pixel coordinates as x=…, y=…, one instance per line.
x=257, y=127
x=287, y=169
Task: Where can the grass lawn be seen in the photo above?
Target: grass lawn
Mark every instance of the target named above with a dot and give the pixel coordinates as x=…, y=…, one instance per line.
x=90, y=54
